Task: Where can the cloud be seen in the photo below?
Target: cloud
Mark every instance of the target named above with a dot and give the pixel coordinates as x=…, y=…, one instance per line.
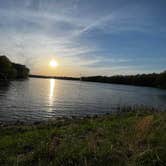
x=32, y=30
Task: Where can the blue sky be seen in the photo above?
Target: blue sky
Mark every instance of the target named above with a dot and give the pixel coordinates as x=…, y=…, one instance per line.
x=86, y=37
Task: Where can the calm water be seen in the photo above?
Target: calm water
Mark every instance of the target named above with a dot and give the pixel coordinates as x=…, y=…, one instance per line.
x=41, y=99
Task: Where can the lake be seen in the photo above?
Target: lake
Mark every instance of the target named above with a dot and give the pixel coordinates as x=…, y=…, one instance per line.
x=42, y=99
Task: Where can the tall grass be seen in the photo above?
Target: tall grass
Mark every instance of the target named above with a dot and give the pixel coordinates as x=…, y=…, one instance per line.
x=134, y=137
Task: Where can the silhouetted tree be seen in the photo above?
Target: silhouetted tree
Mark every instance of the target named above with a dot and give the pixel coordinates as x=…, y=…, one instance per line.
x=161, y=80
x=9, y=70
x=22, y=71
x=6, y=68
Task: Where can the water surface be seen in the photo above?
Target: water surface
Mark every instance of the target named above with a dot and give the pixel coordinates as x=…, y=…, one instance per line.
x=42, y=99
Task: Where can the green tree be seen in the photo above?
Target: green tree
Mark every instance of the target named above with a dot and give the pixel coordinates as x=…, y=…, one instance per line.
x=6, y=67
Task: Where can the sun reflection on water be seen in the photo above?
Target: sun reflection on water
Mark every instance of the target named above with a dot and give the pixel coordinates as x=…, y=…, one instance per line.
x=51, y=94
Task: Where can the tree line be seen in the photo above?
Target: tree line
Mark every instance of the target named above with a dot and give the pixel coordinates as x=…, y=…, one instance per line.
x=10, y=70
x=153, y=79
x=53, y=77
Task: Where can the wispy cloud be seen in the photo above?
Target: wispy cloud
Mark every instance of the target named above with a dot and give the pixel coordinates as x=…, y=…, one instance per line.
x=79, y=33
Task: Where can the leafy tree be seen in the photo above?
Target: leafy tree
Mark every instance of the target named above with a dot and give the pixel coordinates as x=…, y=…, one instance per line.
x=6, y=68
x=161, y=80
x=9, y=70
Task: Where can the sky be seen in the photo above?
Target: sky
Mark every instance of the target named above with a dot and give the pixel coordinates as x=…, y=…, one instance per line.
x=86, y=37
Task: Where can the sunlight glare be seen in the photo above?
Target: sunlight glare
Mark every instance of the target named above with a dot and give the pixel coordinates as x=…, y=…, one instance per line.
x=51, y=94
x=53, y=63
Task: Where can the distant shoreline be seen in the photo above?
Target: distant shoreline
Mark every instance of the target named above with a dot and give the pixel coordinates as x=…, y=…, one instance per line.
x=156, y=80
x=53, y=77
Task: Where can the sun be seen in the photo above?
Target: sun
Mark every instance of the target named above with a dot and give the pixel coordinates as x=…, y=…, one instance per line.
x=53, y=63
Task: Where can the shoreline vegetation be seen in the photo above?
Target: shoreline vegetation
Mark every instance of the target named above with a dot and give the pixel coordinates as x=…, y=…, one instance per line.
x=134, y=136
x=157, y=80
x=53, y=77
x=10, y=71
x=148, y=80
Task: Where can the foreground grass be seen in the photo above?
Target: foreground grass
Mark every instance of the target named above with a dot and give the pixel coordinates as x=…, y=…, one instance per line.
x=134, y=137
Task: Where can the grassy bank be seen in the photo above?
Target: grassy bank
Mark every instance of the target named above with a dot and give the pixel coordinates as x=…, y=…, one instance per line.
x=129, y=138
